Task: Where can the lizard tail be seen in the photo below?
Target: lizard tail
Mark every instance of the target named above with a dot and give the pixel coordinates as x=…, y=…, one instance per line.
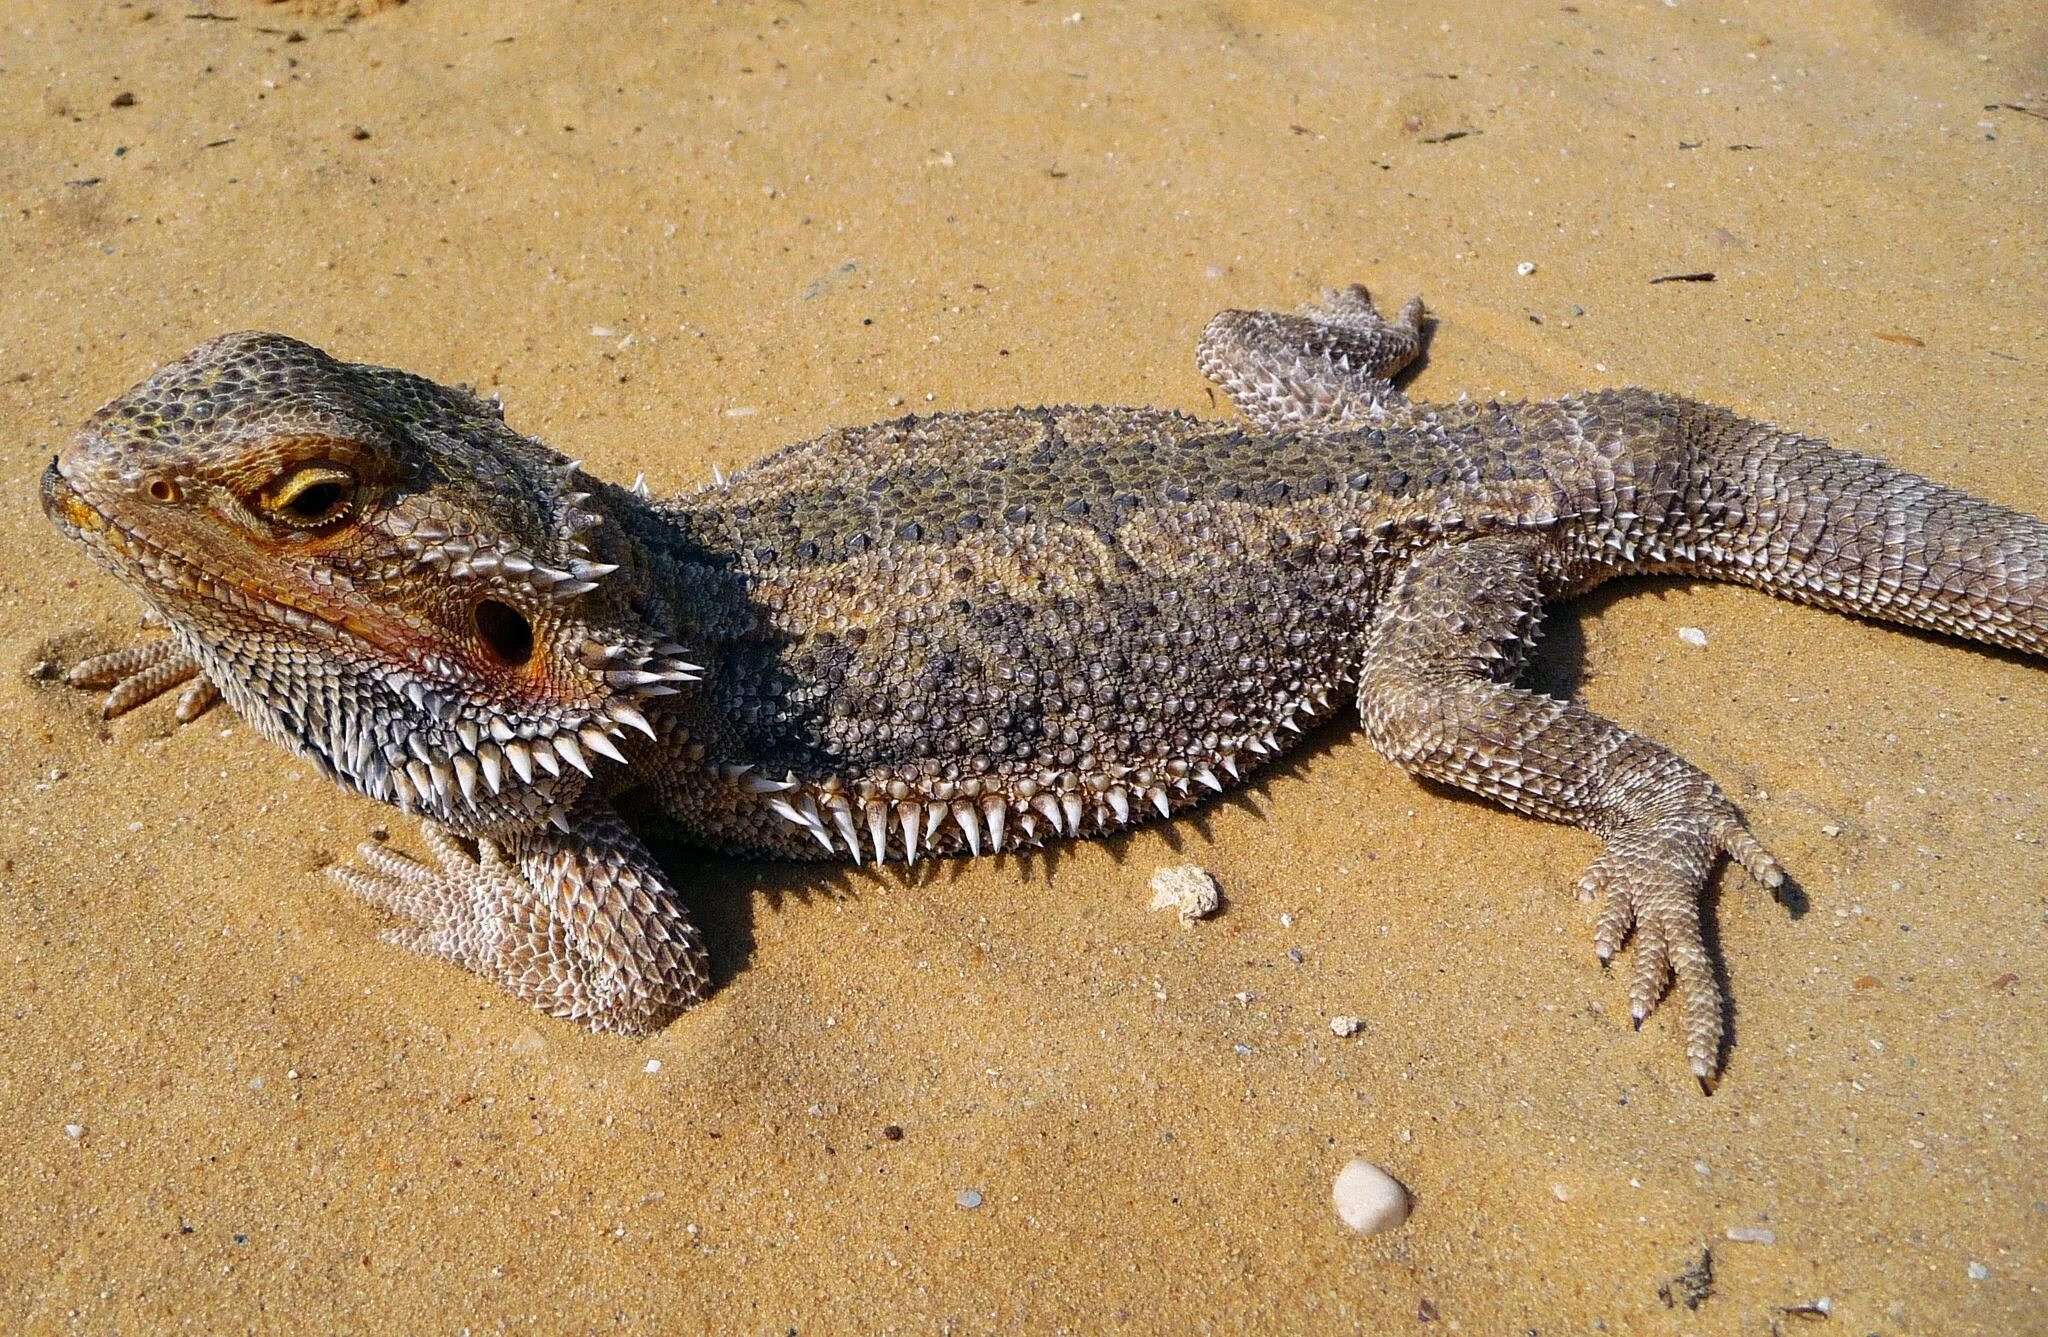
x=1808, y=522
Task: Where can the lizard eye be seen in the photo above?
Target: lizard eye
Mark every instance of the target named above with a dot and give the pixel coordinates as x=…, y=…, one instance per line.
x=312, y=496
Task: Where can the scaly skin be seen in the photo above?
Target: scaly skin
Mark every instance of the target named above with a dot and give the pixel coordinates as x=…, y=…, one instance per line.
x=962, y=633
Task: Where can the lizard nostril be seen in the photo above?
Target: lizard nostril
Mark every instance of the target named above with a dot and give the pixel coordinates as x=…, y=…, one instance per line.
x=505, y=630
x=162, y=489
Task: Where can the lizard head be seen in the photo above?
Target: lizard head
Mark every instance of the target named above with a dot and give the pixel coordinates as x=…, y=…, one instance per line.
x=378, y=573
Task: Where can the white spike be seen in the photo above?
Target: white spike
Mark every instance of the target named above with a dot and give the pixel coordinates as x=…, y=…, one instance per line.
x=842, y=817
x=1050, y=806
x=717, y=474
x=567, y=748
x=761, y=784
x=1230, y=764
x=786, y=810
x=1071, y=805
x=1158, y=797
x=934, y=814
x=493, y=762
x=544, y=753
x=521, y=758
x=909, y=817
x=963, y=817
x=1119, y=804
x=627, y=715
x=878, y=831
x=1208, y=777
x=639, y=488
x=466, y=730
x=465, y=775
x=994, y=810
x=823, y=837
x=597, y=741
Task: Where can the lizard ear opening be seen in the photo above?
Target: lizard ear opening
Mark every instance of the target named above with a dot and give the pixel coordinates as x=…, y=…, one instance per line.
x=505, y=630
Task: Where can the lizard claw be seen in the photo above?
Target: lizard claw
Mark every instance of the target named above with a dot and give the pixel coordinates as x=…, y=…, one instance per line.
x=143, y=672
x=1650, y=877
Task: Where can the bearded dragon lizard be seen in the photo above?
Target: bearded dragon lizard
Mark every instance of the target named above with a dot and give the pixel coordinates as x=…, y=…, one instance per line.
x=963, y=633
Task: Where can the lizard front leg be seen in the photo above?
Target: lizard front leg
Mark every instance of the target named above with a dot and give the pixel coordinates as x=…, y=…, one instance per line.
x=1437, y=698
x=581, y=923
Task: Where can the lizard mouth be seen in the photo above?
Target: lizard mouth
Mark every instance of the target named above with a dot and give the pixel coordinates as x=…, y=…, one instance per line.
x=154, y=567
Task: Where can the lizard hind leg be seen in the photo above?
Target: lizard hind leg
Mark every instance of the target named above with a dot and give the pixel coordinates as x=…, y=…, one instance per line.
x=1332, y=365
x=1437, y=695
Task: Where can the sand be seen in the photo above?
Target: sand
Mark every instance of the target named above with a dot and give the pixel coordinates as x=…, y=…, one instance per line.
x=677, y=236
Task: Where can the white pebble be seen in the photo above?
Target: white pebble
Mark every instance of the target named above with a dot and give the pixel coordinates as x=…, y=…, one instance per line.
x=1188, y=889
x=1752, y=1235
x=1346, y=1025
x=1693, y=637
x=1979, y=1272
x=74, y=1131
x=1368, y=1199
x=967, y=1199
x=1526, y=268
x=1831, y=830
x=653, y=1065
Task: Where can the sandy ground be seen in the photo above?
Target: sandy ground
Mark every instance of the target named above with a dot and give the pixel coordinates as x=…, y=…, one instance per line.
x=675, y=236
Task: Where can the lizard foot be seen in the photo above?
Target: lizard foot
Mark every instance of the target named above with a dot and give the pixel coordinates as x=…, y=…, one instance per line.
x=144, y=672
x=457, y=911
x=1651, y=875
x=1331, y=366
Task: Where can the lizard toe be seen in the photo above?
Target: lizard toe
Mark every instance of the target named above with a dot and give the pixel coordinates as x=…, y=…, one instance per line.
x=142, y=672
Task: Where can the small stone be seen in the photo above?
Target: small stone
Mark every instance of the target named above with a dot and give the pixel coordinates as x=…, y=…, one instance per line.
x=1346, y=1026
x=1368, y=1199
x=1526, y=268
x=1831, y=830
x=1979, y=1272
x=1693, y=637
x=893, y=1132
x=123, y=99
x=74, y=1131
x=653, y=1066
x=359, y=133
x=1752, y=1235
x=1189, y=890
x=968, y=1199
